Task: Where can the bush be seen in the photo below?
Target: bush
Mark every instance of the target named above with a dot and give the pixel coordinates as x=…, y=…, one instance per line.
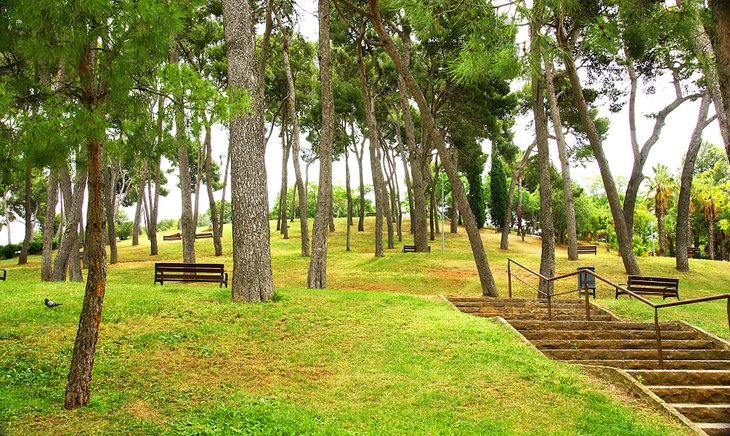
x=8, y=251
x=124, y=230
x=36, y=246
x=166, y=225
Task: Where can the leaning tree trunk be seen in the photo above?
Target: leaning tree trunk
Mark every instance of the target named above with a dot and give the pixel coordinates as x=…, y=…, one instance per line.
x=282, y=222
x=154, y=202
x=82, y=363
x=375, y=168
x=387, y=197
x=317, y=276
x=402, y=153
x=504, y=242
x=109, y=194
x=223, y=195
x=480, y=258
x=27, y=205
x=187, y=225
x=685, y=190
x=721, y=19
x=292, y=105
x=51, y=202
x=68, y=253
x=622, y=231
x=252, y=276
x=564, y=164
x=217, y=245
x=361, y=211
x=547, y=259
x=198, y=182
x=418, y=212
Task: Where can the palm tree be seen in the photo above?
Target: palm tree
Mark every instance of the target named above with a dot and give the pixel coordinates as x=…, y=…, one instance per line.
x=710, y=209
x=661, y=188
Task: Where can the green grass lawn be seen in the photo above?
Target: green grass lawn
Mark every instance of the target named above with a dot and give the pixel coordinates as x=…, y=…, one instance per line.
x=378, y=352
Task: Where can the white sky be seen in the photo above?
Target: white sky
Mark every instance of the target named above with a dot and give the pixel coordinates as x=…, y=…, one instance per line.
x=669, y=150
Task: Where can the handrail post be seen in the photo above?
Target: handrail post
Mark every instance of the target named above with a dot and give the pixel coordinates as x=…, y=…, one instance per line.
x=658, y=338
x=550, y=312
x=509, y=277
x=585, y=292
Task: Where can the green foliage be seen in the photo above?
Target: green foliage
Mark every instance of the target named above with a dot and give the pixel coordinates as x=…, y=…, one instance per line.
x=476, y=198
x=498, y=189
x=167, y=224
x=124, y=230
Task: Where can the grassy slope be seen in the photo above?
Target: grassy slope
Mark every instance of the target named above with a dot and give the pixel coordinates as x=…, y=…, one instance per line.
x=184, y=359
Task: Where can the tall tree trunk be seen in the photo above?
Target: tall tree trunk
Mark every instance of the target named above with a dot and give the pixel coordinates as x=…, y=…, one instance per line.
x=349, y=197
x=361, y=212
x=373, y=140
x=28, y=209
x=198, y=182
x=547, y=259
x=68, y=250
x=223, y=195
x=187, y=225
x=154, y=201
x=7, y=216
x=504, y=242
x=485, y=275
x=51, y=203
x=109, y=194
x=711, y=234
x=317, y=276
x=82, y=363
x=520, y=229
x=217, y=245
x=564, y=164
x=415, y=155
x=292, y=105
x=386, y=196
x=140, y=200
x=685, y=190
x=434, y=217
x=661, y=230
x=721, y=20
x=283, y=224
x=404, y=161
x=622, y=231
x=252, y=276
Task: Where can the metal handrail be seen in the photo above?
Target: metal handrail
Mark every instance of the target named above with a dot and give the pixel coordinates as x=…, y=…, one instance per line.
x=624, y=289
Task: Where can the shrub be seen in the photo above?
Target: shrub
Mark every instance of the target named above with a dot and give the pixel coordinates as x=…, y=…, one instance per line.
x=166, y=225
x=124, y=230
x=8, y=251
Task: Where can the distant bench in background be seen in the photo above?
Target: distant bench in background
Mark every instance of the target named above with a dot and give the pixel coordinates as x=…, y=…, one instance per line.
x=412, y=249
x=178, y=236
x=587, y=249
x=4, y=274
x=654, y=286
x=693, y=252
x=191, y=272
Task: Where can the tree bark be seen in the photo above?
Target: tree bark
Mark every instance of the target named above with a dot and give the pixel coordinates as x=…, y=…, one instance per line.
x=547, y=259
x=317, y=276
x=198, y=182
x=223, y=195
x=7, y=216
x=109, y=194
x=217, y=245
x=68, y=250
x=685, y=189
x=373, y=140
x=154, y=202
x=82, y=363
x=28, y=209
x=401, y=151
x=51, y=203
x=661, y=230
x=504, y=242
x=292, y=105
x=283, y=224
x=187, y=225
x=564, y=163
x=349, y=197
x=252, y=276
x=485, y=275
x=721, y=20
x=622, y=231
x=361, y=212
x=140, y=200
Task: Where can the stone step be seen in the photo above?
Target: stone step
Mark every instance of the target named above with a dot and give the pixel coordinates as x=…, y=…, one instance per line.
x=704, y=412
x=631, y=354
x=608, y=334
x=654, y=364
x=682, y=377
x=580, y=344
x=693, y=394
x=715, y=428
x=554, y=310
x=597, y=325
x=502, y=302
x=544, y=316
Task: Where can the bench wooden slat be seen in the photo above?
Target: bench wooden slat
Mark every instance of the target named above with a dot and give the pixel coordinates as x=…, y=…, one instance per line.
x=645, y=285
x=412, y=249
x=588, y=249
x=191, y=272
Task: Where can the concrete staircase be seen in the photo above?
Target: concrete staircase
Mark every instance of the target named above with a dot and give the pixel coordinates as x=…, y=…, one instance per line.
x=695, y=380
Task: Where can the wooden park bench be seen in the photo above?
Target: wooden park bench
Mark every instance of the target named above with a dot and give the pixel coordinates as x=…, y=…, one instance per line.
x=652, y=286
x=371, y=214
x=175, y=237
x=412, y=249
x=191, y=272
x=203, y=235
x=693, y=252
x=586, y=249
x=4, y=274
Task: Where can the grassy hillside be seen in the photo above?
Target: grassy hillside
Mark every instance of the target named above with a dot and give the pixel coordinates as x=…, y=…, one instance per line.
x=185, y=359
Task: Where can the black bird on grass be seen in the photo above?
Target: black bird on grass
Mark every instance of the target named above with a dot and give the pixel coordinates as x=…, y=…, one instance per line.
x=50, y=303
